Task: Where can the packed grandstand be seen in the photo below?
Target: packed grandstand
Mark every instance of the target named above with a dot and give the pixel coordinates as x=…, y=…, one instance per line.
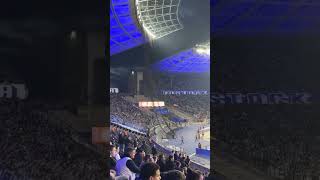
x=151, y=135
x=277, y=139
x=38, y=143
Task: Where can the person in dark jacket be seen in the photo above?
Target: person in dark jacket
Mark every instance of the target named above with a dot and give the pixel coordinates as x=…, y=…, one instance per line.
x=194, y=175
x=121, y=142
x=139, y=157
x=150, y=171
x=176, y=156
x=161, y=162
x=187, y=161
x=177, y=166
x=147, y=159
x=126, y=141
x=146, y=148
x=170, y=164
x=135, y=143
x=173, y=175
x=154, y=150
x=183, y=162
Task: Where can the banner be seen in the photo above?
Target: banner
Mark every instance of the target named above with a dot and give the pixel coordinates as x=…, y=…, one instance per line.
x=261, y=98
x=195, y=92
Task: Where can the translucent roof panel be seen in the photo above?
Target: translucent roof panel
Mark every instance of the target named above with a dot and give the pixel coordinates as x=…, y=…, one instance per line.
x=188, y=61
x=158, y=17
x=124, y=33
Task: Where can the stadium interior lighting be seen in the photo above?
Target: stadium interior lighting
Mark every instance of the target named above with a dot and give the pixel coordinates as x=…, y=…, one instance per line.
x=203, y=49
x=124, y=31
x=158, y=17
x=194, y=60
x=185, y=62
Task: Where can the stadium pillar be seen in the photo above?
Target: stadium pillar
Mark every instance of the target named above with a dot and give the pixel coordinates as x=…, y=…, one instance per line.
x=140, y=83
x=98, y=72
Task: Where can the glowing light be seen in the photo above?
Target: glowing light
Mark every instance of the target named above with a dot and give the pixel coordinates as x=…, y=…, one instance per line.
x=203, y=49
x=186, y=61
x=194, y=60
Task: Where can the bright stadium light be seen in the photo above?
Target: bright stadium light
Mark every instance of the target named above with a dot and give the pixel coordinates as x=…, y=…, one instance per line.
x=158, y=18
x=203, y=49
x=194, y=60
x=131, y=19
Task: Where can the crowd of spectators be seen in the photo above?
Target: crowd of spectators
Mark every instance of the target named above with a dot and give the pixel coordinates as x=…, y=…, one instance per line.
x=32, y=147
x=279, y=140
x=137, y=158
x=132, y=153
x=195, y=105
x=184, y=82
x=127, y=113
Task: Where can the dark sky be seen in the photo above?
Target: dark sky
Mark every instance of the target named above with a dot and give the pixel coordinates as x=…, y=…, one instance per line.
x=31, y=35
x=26, y=26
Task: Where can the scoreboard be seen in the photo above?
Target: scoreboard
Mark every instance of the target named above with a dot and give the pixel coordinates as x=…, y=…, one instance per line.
x=151, y=104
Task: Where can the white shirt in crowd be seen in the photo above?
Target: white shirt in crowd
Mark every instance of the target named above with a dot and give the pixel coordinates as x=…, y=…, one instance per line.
x=123, y=170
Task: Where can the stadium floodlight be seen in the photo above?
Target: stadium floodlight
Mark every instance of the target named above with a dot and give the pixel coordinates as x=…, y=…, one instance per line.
x=131, y=20
x=124, y=30
x=158, y=18
x=203, y=49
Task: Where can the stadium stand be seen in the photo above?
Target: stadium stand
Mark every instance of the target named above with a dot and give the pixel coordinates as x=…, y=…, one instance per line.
x=36, y=145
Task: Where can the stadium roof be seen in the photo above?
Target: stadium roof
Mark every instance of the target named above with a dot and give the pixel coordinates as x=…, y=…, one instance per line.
x=159, y=17
x=128, y=20
x=194, y=60
x=250, y=18
x=124, y=33
x=238, y=17
x=195, y=18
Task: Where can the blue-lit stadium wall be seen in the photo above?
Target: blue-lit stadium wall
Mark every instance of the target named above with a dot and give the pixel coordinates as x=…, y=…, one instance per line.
x=124, y=32
x=184, y=62
x=203, y=153
x=171, y=116
x=162, y=111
